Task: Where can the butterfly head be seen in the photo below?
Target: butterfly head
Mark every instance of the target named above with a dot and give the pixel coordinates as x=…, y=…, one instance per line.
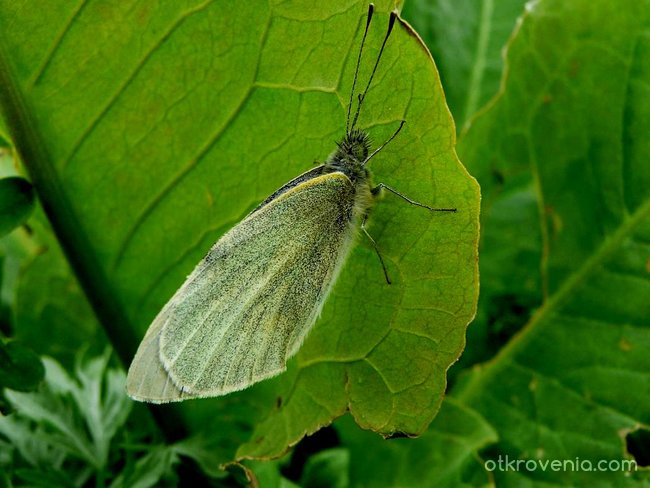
x=355, y=147
x=350, y=156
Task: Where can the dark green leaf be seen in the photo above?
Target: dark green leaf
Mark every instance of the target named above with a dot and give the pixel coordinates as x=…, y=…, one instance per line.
x=16, y=203
x=466, y=38
x=20, y=368
x=152, y=470
x=575, y=111
x=327, y=469
x=45, y=478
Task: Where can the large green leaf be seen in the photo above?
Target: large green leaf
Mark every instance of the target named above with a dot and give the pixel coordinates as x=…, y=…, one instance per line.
x=149, y=129
x=575, y=110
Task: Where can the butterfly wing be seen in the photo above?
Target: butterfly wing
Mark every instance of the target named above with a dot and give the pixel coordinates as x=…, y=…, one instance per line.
x=250, y=302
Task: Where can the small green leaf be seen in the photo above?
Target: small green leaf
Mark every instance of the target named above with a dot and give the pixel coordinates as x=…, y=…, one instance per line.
x=16, y=203
x=82, y=413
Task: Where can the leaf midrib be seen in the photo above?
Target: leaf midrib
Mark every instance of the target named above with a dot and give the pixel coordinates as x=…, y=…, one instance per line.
x=75, y=243
x=478, y=69
x=69, y=233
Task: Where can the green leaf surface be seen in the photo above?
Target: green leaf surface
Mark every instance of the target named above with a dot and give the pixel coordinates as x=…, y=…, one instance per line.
x=16, y=203
x=466, y=38
x=148, y=132
x=269, y=473
x=4, y=140
x=575, y=111
x=44, y=478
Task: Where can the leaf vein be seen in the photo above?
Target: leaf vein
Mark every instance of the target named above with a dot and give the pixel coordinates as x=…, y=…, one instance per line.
x=94, y=123
x=49, y=55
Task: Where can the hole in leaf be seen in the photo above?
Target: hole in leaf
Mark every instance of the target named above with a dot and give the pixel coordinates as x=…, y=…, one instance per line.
x=638, y=445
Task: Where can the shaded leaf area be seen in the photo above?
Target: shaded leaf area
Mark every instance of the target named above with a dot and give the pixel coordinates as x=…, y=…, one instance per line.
x=466, y=39
x=325, y=468
x=574, y=111
x=149, y=131
x=511, y=251
x=20, y=367
x=44, y=304
x=47, y=301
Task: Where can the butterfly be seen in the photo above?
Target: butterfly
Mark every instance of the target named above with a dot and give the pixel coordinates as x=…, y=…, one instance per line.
x=249, y=304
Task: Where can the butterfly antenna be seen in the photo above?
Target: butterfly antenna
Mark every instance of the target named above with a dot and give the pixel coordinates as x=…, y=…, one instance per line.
x=384, y=144
x=362, y=96
x=371, y=9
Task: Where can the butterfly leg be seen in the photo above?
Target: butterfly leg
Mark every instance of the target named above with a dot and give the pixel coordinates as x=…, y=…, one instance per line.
x=375, y=191
x=374, y=244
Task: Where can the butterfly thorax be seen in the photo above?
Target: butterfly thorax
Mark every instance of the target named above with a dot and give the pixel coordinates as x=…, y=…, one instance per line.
x=350, y=156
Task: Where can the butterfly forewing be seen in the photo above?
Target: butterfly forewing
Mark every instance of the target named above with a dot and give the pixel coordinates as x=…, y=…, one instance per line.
x=250, y=302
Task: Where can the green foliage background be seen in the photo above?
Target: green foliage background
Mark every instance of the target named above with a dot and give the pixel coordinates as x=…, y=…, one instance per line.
x=147, y=136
